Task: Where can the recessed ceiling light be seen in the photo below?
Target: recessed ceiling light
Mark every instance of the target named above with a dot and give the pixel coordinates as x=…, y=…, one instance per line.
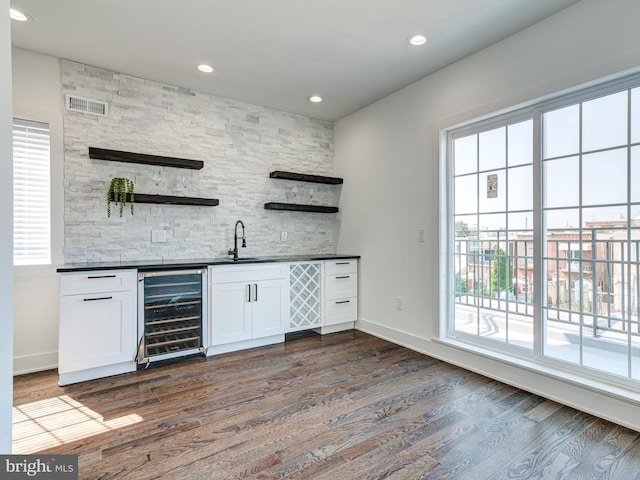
x=417, y=39
x=18, y=15
x=315, y=98
x=205, y=68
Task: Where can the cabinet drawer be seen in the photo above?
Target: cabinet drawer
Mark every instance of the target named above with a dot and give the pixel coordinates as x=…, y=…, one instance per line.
x=341, y=311
x=341, y=266
x=97, y=281
x=249, y=273
x=341, y=286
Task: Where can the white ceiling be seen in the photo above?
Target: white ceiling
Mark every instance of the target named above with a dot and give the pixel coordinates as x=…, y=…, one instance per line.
x=275, y=53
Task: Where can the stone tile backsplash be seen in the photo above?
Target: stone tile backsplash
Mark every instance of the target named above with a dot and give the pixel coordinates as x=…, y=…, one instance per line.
x=239, y=144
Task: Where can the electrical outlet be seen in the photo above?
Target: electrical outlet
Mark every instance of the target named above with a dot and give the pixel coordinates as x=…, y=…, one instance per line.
x=421, y=235
x=400, y=303
x=283, y=236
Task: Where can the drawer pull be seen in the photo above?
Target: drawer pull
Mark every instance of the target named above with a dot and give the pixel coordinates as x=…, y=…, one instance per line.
x=94, y=299
x=101, y=276
x=343, y=277
x=343, y=301
x=343, y=263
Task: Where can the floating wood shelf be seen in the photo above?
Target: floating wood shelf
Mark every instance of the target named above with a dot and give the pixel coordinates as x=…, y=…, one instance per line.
x=300, y=208
x=171, y=200
x=129, y=157
x=301, y=177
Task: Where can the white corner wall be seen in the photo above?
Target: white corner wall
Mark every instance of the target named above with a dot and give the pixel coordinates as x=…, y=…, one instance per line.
x=388, y=154
x=37, y=95
x=6, y=237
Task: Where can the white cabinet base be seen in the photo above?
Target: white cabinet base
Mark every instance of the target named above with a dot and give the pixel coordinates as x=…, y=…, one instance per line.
x=97, y=372
x=339, y=327
x=97, y=333
x=234, y=347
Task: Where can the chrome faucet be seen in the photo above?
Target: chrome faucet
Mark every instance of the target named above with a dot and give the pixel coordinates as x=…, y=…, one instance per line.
x=234, y=252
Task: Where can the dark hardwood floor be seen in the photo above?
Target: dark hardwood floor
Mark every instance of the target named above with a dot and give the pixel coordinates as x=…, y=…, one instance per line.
x=344, y=406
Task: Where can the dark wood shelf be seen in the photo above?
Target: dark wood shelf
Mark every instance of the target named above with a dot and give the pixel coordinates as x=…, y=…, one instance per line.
x=171, y=200
x=301, y=177
x=143, y=158
x=299, y=208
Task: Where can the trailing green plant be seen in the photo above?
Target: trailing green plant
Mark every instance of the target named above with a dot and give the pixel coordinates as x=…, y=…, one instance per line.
x=120, y=191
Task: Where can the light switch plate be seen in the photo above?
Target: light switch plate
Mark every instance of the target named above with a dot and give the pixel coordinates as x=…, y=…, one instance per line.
x=283, y=236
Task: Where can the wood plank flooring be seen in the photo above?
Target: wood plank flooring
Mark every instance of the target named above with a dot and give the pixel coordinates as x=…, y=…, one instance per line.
x=340, y=407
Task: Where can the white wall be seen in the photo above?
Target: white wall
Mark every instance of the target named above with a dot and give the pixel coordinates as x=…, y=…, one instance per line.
x=388, y=155
x=6, y=237
x=37, y=95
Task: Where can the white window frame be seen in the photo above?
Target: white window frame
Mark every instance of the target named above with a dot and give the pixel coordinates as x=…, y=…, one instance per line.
x=504, y=352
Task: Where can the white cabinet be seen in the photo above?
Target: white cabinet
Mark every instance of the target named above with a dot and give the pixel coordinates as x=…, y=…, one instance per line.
x=97, y=334
x=249, y=305
x=341, y=295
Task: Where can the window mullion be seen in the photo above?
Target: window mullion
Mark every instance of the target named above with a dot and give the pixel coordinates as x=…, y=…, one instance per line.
x=539, y=248
x=580, y=235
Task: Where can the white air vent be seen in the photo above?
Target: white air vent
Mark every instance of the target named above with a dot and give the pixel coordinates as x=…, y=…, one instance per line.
x=86, y=105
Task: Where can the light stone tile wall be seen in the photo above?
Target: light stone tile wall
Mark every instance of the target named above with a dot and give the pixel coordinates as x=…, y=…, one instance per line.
x=239, y=144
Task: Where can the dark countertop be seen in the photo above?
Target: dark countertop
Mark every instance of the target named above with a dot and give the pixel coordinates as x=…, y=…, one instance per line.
x=193, y=263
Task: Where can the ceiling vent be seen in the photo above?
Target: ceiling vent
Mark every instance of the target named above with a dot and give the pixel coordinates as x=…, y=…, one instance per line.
x=86, y=105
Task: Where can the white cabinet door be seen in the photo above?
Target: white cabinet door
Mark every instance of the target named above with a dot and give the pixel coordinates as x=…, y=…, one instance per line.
x=270, y=306
x=96, y=330
x=230, y=313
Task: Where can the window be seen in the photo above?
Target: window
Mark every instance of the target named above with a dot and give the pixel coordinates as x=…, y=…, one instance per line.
x=591, y=209
x=545, y=255
x=492, y=211
x=31, y=193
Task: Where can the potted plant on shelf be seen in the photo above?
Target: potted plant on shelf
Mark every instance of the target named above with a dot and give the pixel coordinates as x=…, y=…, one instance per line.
x=120, y=192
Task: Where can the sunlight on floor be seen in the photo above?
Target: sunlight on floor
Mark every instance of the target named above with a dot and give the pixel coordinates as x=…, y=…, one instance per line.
x=55, y=421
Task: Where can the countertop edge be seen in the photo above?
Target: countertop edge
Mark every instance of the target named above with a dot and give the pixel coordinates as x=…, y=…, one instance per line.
x=147, y=265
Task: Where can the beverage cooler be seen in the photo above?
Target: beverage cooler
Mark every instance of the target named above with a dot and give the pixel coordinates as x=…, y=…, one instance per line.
x=172, y=312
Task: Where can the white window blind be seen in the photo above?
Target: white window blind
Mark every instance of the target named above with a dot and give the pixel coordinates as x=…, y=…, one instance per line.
x=31, y=193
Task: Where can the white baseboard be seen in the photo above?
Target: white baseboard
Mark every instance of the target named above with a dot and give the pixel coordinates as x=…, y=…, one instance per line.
x=35, y=363
x=234, y=347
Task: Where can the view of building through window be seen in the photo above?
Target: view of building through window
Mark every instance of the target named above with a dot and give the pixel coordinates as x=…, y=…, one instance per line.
x=588, y=230
x=592, y=235
x=493, y=233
